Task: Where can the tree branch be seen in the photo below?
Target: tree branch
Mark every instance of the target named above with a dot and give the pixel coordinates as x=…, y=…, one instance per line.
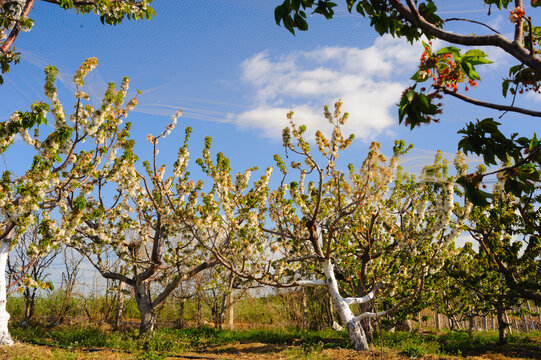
x=109, y=274
x=179, y=278
x=487, y=104
x=514, y=49
x=17, y=28
x=364, y=299
x=472, y=21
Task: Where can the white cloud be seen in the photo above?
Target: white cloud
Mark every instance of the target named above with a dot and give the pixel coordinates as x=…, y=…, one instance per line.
x=304, y=81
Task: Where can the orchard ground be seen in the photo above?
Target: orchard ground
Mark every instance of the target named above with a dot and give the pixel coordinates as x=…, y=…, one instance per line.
x=80, y=342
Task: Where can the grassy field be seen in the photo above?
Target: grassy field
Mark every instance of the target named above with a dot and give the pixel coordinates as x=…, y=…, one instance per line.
x=208, y=343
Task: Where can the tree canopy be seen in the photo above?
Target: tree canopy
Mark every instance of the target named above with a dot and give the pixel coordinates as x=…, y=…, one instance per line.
x=452, y=70
x=14, y=19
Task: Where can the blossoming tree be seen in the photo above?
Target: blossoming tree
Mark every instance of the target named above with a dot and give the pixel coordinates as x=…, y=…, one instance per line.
x=62, y=167
x=298, y=234
x=143, y=226
x=450, y=71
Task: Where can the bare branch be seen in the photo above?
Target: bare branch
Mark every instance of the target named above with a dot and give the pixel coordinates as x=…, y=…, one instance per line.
x=489, y=105
x=472, y=21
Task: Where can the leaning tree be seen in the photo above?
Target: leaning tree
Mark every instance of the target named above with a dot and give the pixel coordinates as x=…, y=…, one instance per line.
x=301, y=232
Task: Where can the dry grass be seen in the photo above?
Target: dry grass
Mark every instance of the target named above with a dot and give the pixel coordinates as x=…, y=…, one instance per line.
x=21, y=351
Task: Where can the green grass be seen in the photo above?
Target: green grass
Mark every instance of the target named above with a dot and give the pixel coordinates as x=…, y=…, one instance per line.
x=166, y=341
x=169, y=341
x=415, y=345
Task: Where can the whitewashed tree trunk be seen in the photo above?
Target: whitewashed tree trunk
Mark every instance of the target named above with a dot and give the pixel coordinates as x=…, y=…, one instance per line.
x=231, y=311
x=119, y=303
x=353, y=324
x=5, y=338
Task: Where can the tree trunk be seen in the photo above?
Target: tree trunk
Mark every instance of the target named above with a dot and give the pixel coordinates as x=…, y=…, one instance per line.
x=119, y=303
x=538, y=317
x=198, y=316
x=356, y=333
x=29, y=304
x=226, y=299
x=231, y=311
x=146, y=310
x=5, y=338
x=366, y=323
x=304, y=310
x=438, y=324
x=471, y=321
x=221, y=314
x=181, y=321
x=485, y=323
x=502, y=325
x=331, y=312
x=525, y=322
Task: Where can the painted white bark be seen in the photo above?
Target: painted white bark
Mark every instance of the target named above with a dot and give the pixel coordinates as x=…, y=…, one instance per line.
x=5, y=338
x=353, y=324
x=310, y=283
x=231, y=311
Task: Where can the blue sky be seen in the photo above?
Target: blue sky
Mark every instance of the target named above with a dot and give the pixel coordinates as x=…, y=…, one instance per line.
x=235, y=74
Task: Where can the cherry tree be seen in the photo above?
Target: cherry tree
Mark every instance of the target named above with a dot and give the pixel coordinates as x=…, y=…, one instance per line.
x=143, y=226
x=470, y=287
x=301, y=232
x=450, y=71
x=62, y=166
x=28, y=274
x=509, y=235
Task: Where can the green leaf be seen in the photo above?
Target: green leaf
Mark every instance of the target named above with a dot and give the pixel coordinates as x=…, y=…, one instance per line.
x=505, y=87
x=300, y=22
x=450, y=50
